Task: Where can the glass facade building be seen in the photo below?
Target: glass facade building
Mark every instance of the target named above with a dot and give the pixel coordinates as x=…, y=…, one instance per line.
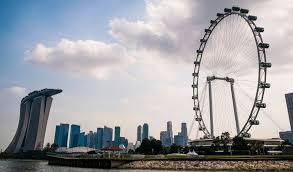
x=100, y=132
x=139, y=133
x=117, y=139
x=145, y=131
x=74, y=135
x=107, y=136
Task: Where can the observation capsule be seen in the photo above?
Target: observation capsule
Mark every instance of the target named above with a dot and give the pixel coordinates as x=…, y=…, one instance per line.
x=196, y=62
x=201, y=128
x=198, y=119
x=194, y=97
x=244, y=11
x=247, y=135
x=264, y=85
x=252, y=18
x=208, y=30
x=260, y=105
x=254, y=122
x=213, y=21
x=199, y=51
x=194, y=86
x=227, y=10
x=259, y=29
x=194, y=74
x=263, y=45
x=203, y=40
x=235, y=8
x=220, y=14
x=265, y=65
x=195, y=108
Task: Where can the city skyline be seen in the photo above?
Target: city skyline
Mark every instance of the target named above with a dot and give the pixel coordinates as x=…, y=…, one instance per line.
x=139, y=69
x=71, y=135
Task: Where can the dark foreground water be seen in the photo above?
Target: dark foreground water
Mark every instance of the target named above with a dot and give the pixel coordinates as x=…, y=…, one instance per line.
x=42, y=166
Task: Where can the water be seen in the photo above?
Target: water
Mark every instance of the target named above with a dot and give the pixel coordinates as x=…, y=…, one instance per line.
x=42, y=166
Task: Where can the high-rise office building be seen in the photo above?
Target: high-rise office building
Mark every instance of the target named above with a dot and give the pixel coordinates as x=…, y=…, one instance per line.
x=57, y=133
x=117, y=139
x=164, y=137
x=169, y=129
x=289, y=101
x=100, y=138
x=107, y=136
x=145, y=131
x=179, y=140
x=81, y=140
x=184, y=133
x=34, y=113
x=74, y=135
x=61, y=135
x=288, y=135
x=124, y=142
x=90, y=139
x=139, y=133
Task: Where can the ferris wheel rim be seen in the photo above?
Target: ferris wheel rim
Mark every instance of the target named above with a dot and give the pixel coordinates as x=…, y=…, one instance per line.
x=262, y=70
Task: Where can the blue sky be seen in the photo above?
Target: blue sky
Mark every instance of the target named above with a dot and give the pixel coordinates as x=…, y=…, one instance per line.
x=122, y=62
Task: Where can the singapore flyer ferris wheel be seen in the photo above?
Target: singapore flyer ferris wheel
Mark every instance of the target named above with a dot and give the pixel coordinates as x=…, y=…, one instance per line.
x=230, y=75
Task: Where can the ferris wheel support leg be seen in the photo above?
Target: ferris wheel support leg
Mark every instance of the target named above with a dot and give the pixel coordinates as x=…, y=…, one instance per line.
x=235, y=108
x=211, y=109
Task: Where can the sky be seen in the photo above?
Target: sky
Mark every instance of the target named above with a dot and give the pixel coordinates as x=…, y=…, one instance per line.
x=126, y=62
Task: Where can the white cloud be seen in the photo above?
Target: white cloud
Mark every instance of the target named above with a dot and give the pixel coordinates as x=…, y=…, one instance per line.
x=17, y=91
x=170, y=31
x=95, y=58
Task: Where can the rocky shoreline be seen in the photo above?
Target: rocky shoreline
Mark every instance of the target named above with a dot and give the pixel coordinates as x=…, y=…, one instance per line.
x=210, y=165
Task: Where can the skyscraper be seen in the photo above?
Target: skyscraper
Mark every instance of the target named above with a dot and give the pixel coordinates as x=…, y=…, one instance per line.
x=74, y=135
x=107, y=136
x=169, y=129
x=139, y=133
x=90, y=139
x=184, y=133
x=100, y=138
x=124, y=142
x=81, y=140
x=63, y=135
x=145, y=131
x=34, y=113
x=289, y=101
x=164, y=137
x=117, y=139
x=179, y=140
x=57, y=133
x=288, y=135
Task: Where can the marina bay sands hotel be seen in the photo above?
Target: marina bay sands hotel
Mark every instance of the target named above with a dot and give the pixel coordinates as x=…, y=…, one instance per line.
x=34, y=113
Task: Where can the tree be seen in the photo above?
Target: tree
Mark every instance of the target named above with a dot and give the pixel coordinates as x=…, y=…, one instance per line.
x=286, y=142
x=47, y=147
x=225, y=139
x=216, y=144
x=152, y=146
x=54, y=147
x=256, y=147
x=175, y=148
x=239, y=143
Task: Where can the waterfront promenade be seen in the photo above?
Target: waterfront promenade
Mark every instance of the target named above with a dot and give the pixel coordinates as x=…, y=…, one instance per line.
x=180, y=163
